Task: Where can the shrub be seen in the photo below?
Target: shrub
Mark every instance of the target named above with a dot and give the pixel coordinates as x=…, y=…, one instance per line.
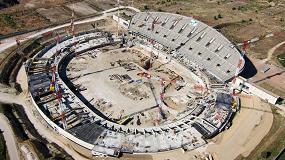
x=160, y=10
x=265, y=154
x=8, y=20
x=220, y=16
x=146, y=7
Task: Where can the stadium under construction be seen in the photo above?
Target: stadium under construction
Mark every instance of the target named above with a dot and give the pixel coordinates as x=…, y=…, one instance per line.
x=163, y=82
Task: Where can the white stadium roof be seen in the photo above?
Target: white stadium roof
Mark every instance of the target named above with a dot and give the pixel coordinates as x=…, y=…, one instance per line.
x=195, y=40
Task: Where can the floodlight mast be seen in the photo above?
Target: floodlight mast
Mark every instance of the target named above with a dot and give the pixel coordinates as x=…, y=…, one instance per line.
x=118, y=14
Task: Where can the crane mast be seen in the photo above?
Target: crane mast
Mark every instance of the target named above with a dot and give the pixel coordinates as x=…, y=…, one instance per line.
x=54, y=87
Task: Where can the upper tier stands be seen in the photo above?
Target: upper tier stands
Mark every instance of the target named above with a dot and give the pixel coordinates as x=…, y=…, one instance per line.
x=193, y=39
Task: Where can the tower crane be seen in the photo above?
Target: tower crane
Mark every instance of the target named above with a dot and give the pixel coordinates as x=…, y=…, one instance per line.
x=54, y=87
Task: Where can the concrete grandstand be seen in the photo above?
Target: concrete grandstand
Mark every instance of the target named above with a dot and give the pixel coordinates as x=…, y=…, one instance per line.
x=190, y=39
x=192, y=46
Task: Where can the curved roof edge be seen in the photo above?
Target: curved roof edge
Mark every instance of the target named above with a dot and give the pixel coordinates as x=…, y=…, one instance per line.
x=194, y=39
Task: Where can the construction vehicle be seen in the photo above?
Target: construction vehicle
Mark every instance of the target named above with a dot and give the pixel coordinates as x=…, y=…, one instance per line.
x=125, y=120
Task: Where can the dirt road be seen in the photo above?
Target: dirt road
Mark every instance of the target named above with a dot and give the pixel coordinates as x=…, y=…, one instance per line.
x=10, y=98
x=6, y=43
x=272, y=50
x=9, y=138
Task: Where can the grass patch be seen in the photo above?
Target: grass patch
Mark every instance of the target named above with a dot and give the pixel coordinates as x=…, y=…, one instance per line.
x=3, y=149
x=8, y=20
x=281, y=59
x=272, y=143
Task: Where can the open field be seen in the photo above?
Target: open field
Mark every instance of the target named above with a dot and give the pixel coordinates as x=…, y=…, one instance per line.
x=20, y=20
x=273, y=89
x=237, y=20
x=281, y=59
x=280, y=55
x=32, y=14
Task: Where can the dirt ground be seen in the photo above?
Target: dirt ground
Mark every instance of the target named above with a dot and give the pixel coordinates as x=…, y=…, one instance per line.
x=57, y=14
x=116, y=97
x=20, y=20
x=249, y=127
x=31, y=14
x=275, y=76
x=82, y=8
x=240, y=20
x=272, y=143
x=259, y=50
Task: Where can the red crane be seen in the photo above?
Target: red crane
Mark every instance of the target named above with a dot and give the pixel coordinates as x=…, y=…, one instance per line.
x=54, y=87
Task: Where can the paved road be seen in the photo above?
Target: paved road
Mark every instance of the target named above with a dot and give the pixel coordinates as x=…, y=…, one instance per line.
x=12, y=41
x=9, y=138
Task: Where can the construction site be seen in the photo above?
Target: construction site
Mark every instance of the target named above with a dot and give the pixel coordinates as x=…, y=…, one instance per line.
x=133, y=82
x=109, y=92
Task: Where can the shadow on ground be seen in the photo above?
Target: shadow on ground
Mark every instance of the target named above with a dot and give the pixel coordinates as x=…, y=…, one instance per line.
x=249, y=69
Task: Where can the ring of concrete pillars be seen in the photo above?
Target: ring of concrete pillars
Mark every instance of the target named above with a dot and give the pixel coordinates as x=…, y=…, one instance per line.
x=170, y=128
